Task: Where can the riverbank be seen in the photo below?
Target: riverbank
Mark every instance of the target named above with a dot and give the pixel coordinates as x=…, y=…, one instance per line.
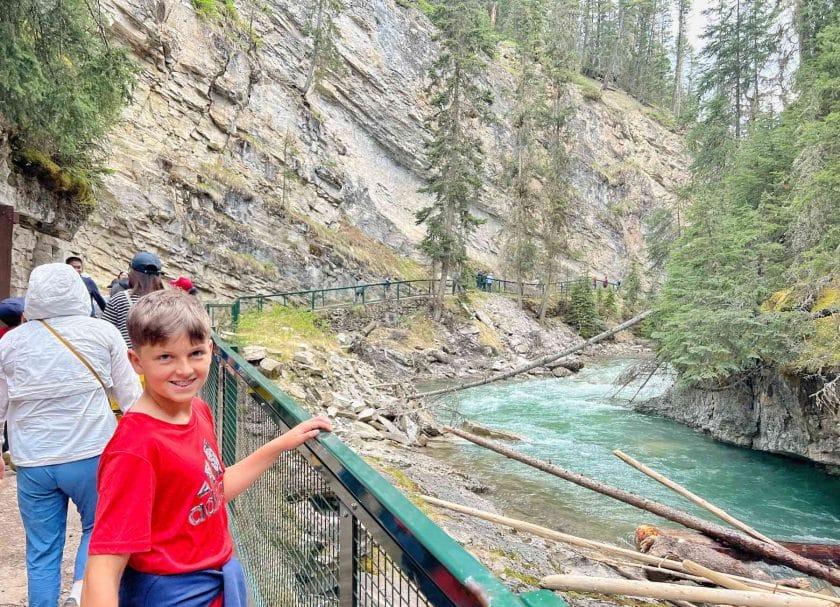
x=380, y=356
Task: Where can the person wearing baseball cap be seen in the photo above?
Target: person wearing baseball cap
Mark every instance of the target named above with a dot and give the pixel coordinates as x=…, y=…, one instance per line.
x=143, y=278
x=185, y=284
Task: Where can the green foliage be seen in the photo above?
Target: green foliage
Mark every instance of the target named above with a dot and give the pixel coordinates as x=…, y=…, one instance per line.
x=582, y=312
x=631, y=292
x=455, y=153
x=607, y=304
x=62, y=83
x=321, y=29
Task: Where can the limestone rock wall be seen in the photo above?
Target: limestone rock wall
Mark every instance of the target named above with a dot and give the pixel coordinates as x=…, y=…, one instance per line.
x=771, y=412
x=218, y=123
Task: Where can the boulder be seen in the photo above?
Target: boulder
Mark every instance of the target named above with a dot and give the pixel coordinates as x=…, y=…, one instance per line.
x=365, y=432
x=498, y=365
x=332, y=411
x=397, y=437
x=254, y=354
x=522, y=348
x=438, y=356
x=304, y=357
x=271, y=368
x=561, y=372
x=367, y=414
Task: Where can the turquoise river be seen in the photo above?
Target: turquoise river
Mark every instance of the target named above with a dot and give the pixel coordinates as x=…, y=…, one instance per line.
x=577, y=422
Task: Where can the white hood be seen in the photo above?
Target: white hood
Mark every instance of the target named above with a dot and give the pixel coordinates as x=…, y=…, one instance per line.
x=56, y=289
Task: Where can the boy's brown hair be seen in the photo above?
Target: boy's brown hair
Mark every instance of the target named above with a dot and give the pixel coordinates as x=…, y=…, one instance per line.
x=164, y=315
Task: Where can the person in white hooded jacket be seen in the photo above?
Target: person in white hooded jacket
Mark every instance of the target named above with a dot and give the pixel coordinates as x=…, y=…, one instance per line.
x=59, y=417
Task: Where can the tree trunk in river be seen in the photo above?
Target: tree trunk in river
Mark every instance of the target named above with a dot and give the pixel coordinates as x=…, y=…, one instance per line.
x=733, y=538
x=536, y=363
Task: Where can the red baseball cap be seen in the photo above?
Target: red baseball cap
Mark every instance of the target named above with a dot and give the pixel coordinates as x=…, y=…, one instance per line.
x=182, y=283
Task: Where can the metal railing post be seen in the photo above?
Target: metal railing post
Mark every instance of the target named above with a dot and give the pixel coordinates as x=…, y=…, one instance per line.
x=235, y=313
x=312, y=302
x=348, y=569
x=229, y=400
x=398, y=291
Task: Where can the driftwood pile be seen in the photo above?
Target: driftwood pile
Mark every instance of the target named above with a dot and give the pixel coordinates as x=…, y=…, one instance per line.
x=704, y=567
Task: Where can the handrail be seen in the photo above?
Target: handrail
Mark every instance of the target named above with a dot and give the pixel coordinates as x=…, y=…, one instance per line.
x=444, y=572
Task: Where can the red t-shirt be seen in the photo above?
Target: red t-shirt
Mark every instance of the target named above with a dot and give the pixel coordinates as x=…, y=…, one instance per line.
x=161, y=495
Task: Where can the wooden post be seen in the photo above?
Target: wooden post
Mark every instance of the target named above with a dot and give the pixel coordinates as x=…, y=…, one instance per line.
x=8, y=218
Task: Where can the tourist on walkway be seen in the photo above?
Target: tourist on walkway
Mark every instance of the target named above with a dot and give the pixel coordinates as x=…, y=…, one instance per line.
x=52, y=393
x=606, y=282
x=161, y=535
x=11, y=316
x=143, y=278
x=185, y=284
x=488, y=281
x=96, y=298
x=120, y=283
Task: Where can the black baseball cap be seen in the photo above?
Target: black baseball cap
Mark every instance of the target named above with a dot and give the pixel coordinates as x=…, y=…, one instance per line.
x=146, y=263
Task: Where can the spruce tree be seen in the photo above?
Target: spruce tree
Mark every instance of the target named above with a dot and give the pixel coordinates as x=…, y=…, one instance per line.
x=582, y=311
x=527, y=26
x=555, y=209
x=455, y=155
x=324, y=34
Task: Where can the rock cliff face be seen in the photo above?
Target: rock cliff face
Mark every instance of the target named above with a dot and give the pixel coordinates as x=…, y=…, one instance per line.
x=771, y=412
x=218, y=124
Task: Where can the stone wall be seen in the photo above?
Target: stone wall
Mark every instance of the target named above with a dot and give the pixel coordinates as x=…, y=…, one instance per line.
x=770, y=412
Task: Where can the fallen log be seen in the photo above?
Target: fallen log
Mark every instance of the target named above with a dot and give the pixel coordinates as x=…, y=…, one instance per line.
x=718, y=532
x=828, y=554
x=652, y=541
x=721, y=579
x=671, y=592
x=540, y=362
x=692, y=497
x=649, y=562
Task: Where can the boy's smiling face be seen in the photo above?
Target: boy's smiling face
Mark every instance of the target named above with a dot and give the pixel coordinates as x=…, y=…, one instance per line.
x=174, y=370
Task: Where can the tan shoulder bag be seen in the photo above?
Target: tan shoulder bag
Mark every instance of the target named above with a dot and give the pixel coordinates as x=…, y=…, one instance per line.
x=115, y=407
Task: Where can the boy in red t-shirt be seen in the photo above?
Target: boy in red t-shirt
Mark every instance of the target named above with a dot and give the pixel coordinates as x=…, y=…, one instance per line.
x=162, y=486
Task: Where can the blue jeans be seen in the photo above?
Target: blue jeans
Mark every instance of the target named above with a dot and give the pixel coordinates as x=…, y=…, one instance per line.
x=43, y=492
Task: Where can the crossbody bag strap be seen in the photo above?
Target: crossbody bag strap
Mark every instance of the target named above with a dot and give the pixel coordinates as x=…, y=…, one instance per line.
x=77, y=353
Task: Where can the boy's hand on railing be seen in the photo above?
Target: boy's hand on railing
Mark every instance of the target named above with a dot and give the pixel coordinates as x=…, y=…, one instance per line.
x=304, y=431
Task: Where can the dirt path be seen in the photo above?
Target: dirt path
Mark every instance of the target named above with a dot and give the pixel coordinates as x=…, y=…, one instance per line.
x=12, y=547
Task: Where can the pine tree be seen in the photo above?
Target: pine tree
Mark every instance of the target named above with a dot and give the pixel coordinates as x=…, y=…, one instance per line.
x=554, y=212
x=683, y=9
x=63, y=84
x=527, y=25
x=454, y=153
x=324, y=33
x=582, y=311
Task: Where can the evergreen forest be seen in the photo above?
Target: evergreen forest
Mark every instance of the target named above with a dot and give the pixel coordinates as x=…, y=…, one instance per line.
x=744, y=270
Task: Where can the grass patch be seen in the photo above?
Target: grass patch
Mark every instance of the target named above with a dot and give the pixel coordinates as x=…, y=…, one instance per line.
x=522, y=577
x=73, y=182
x=417, y=331
x=589, y=88
x=218, y=173
x=488, y=336
x=285, y=330
x=245, y=262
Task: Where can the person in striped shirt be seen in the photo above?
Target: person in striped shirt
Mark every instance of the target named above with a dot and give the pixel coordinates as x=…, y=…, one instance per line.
x=143, y=278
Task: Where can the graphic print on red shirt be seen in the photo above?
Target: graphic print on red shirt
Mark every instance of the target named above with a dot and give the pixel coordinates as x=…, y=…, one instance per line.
x=161, y=495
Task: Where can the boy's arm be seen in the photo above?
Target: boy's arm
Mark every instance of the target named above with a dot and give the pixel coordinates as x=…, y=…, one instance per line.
x=242, y=474
x=102, y=579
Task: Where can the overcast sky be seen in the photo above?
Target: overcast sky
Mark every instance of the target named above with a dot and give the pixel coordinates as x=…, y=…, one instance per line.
x=696, y=22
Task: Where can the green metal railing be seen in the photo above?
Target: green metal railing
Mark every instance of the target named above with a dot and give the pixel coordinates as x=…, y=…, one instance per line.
x=322, y=528
x=224, y=316
x=316, y=299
